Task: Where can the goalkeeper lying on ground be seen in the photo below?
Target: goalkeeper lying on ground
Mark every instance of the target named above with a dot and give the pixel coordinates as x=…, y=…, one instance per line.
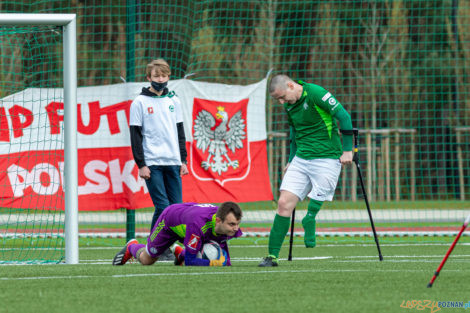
x=193, y=225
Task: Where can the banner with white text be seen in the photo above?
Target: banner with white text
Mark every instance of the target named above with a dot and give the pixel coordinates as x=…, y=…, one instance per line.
x=224, y=128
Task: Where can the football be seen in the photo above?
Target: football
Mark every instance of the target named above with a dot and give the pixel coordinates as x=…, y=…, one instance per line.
x=210, y=251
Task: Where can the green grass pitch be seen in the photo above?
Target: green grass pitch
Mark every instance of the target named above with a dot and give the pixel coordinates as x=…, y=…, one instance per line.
x=340, y=276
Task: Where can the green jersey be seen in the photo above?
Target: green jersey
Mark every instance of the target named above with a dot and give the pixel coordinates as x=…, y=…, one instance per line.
x=312, y=118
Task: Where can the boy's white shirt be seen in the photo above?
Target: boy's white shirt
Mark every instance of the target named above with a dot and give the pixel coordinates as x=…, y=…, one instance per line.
x=158, y=117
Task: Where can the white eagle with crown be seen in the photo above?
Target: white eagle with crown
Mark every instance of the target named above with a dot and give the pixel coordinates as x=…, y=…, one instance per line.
x=219, y=139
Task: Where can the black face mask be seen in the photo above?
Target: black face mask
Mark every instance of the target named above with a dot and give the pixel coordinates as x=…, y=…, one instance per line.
x=158, y=86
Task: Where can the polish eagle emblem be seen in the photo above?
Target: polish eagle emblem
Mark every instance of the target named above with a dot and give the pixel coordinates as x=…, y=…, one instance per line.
x=228, y=134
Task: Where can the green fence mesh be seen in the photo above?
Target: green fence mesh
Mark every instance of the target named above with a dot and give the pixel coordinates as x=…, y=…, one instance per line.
x=401, y=68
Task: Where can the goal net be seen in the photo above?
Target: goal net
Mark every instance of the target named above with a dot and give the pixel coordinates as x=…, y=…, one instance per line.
x=32, y=166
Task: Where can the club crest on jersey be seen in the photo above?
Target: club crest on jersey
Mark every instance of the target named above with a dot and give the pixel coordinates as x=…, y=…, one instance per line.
x=220, y=149
x=305, y=105
x=150, y=110
x=171, y=108
x=193, y=241
x=331, y=100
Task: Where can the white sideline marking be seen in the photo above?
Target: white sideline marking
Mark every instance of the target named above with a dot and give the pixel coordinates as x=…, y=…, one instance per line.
x=343, y=259
x=236, y=259
x=296, y=246
x=273, y=271
x=319, y=246
x=329, y=257
x=92, y=262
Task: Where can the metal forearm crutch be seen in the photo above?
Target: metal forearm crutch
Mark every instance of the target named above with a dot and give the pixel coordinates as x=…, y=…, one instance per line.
x=355, y=133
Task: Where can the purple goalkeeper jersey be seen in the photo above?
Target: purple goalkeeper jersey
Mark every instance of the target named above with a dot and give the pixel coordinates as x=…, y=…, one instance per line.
x=193, y=224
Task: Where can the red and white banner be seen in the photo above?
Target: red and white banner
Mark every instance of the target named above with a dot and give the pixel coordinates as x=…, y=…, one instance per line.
x=225, y=133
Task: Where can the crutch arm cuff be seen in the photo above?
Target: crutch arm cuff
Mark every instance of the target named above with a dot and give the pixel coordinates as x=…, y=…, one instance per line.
x=347, y=131
x=353, y=131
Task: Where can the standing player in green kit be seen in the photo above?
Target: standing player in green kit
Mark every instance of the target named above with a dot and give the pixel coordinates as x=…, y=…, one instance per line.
x=316, y=156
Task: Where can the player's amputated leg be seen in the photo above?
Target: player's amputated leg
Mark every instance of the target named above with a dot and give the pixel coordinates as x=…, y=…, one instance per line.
x=309, y=223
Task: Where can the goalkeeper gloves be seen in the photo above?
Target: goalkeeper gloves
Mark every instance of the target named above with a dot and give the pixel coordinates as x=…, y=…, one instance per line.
x=222, y=261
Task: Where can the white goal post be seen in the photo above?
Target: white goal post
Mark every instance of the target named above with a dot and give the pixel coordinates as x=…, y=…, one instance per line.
x=68, y=23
